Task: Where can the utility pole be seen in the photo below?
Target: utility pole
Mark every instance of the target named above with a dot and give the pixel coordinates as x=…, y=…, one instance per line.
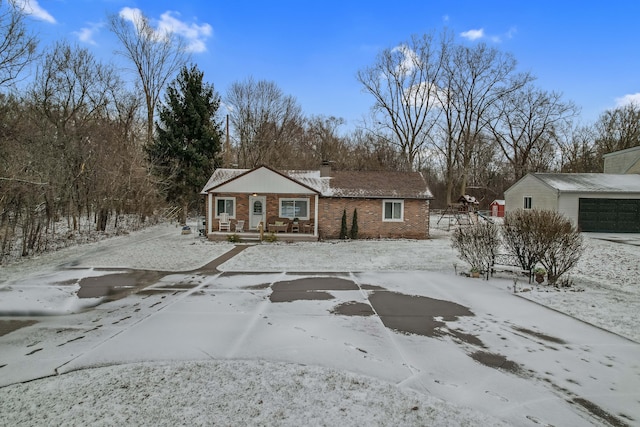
x=227, y=147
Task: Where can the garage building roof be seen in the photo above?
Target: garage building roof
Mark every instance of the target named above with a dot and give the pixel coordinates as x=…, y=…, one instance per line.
x=591, y=182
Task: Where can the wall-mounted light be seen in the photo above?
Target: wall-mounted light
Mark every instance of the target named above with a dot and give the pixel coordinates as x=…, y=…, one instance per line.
x=254, y=194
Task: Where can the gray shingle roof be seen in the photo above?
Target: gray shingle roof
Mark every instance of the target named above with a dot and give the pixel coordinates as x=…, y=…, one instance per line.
x=591, y=182
x=353, y=184
x=382, y=184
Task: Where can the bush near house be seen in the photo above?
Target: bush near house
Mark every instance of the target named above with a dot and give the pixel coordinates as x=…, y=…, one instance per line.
x=343, y=226
x=477, y=244
x=533, y=236
x=353, y=233
x=544, y=237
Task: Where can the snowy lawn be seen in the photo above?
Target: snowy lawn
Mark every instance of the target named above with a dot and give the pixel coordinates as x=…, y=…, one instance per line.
x=197, y=348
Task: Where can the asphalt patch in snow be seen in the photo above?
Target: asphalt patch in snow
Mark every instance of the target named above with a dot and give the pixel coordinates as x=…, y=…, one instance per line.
x=414, y=314
x=8, y=326
x=353, y=308
x=309, y=288
x=542, y=336
x=599, y=413
x=497, y=361
x=118, y=285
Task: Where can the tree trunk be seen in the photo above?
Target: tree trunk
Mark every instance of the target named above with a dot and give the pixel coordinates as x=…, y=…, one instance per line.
x=103, y=218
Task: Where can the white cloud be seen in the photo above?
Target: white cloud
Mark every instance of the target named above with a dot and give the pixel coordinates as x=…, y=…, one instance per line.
x=130, y=14
x=410, y=60
x=31, y=7
x=195, y=35
x=473, y=34
x=480, y=34
x=632, y=98
x=86, y=34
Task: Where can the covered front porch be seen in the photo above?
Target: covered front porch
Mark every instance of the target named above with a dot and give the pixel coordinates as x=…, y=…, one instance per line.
x=255, y=236
x=260, y=204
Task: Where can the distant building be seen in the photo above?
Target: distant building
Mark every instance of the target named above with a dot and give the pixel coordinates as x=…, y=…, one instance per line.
x=496, y=208
x=623, y=161
x=595, y=202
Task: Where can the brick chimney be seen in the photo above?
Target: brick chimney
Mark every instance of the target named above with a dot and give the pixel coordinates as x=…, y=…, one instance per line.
x=325, y=169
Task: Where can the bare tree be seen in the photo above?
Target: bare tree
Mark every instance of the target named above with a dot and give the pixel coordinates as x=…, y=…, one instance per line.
x=265, y=120
x=526, y=120
x=618, y=129
x=71, y=97
x=17, y=45
x=403, y=82
x=476, y=78
x=322, y=142
x=578, y=151
x=156, y=56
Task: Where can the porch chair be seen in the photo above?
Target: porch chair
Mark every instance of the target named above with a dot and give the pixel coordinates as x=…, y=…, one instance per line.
x=224, y=224
x=308, y=226
x=240, y=226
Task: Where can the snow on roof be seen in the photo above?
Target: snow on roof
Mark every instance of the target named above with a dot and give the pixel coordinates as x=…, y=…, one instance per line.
x=309, y=178
x=591, y=182
x=221, y=176
x=498, y=202
x=625, y=151
x=379, y=184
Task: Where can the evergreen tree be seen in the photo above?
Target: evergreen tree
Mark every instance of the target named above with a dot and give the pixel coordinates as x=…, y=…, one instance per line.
x=354, y=225
x=186, y=147
x=343, y=227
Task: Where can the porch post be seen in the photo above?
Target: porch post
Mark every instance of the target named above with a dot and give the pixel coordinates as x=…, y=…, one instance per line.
x=315, y=219
x=209, y=213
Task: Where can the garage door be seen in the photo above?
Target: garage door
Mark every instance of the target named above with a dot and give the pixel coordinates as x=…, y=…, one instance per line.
x=609, y=215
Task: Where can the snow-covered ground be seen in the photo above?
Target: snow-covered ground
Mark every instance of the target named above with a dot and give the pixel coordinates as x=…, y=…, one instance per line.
x=202, y=349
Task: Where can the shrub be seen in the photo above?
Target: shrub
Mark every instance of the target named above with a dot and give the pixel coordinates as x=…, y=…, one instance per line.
x=270, y=238
x=477, y=244
x=562, y=246
x=519, y=234
x=543, y=236
x=233, y=238
x=353, y=234
x=343, y=227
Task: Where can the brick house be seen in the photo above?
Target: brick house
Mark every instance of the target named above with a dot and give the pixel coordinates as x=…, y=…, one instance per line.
x=308, y=205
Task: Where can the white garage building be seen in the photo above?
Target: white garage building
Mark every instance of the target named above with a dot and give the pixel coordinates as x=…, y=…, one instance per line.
x=597, y=202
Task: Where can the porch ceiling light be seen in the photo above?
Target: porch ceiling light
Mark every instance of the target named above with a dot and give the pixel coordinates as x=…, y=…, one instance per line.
x=254, y=194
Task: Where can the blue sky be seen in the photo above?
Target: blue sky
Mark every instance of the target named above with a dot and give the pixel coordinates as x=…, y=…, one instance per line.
x=587, y=50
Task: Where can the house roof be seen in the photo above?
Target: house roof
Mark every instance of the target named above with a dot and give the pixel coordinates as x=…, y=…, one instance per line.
x=465, y=198
x=381, y=184
x=498, y=202
x=353, y=184
x=591, y=182
x=625, y=151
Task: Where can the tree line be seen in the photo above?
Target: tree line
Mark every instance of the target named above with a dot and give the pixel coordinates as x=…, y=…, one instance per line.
x=86, y=139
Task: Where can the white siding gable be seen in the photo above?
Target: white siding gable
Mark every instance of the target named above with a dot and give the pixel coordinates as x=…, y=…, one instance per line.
x=263, y=180
x=542, y=195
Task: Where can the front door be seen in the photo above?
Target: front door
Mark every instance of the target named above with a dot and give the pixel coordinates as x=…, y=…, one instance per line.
x=257, y=207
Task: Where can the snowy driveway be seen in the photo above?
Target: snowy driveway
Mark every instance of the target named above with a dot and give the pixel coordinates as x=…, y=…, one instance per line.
x=401, y=317
x=461, y=340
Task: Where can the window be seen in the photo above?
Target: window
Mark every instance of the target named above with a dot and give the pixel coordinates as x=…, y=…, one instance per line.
x=393, y=210
x=527, y=202
x=294, y=208
x=226, y=205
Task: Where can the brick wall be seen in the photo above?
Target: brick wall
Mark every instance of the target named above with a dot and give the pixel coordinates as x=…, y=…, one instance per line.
x=370, y=223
